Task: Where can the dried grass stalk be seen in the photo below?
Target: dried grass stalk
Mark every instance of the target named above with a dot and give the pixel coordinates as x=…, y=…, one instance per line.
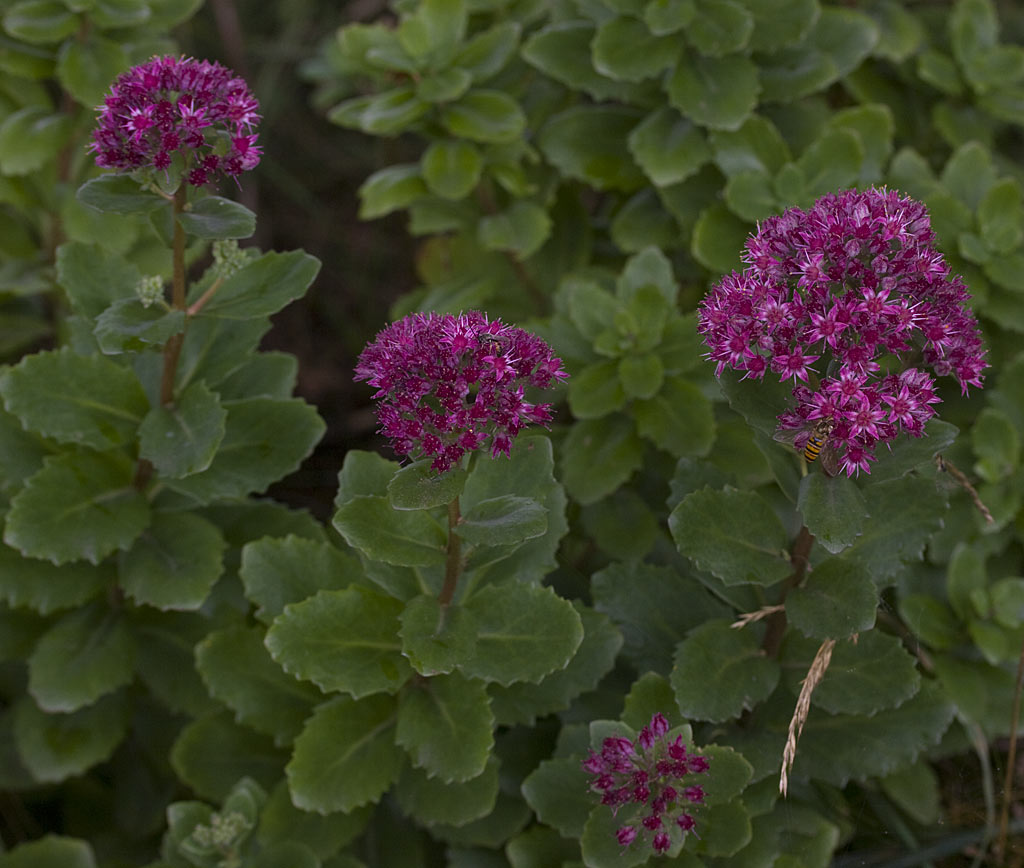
x=759, y=615
x=803, y=708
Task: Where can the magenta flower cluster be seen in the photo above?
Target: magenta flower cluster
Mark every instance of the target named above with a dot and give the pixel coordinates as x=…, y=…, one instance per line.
x=850, y=300
x=449, y=385
x=169, y=107
x=650, y=773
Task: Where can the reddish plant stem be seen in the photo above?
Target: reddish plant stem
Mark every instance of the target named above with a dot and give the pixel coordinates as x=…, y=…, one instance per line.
x=777, y=622
x=453, y=559
x=172, y=349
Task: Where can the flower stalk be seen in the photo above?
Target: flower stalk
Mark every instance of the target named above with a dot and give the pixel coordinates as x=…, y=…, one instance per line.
x=453, y=556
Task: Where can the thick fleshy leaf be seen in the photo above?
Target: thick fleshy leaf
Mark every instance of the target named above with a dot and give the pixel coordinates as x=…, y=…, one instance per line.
x=80, y=506
x=408, y=538
x=416, y=486
x=276, y=572
x=346, y=755
x=629, y=593
x=866, y=674
x=30, y=138
x=679, y=419
x=263, y=287
x=129, y=325
x=668, y=147
x=599, y=455
x=561, y=50
x=39, y=585
x=87, y=654
x=588, y=143
x=88, y=400
x=524, y=703
x=164, y=660
x=720, y=672
x=264, y=439
x=780, y=23
x=431, y=801
x=718, y=239
x=715, y=92
x=50, y=852
x=521, y=229
x=557, y=792
x=238, y=671
x=625, y=49
x=837, y=600
x=382, y=114
x=436, y=639
x=342, y=640
x=174, y=563
x=446, y=725
x=524, y=634
x=94, y=278
x=58, y=746
x=834, y=510
x=488, y=116
x=182, y=438
x=390, y=189
x=596, y=391
x=326, y=834
x=733, y=534
x=212, y=753
x=119, y=194
x=451, y=168
x=720, y=27
x=503, y=520
x=86, y=67
x=215, y=218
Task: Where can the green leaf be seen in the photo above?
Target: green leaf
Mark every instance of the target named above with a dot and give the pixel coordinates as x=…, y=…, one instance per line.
x=521, y=229
x=837, y=600
x=430, y=800
x=390, y=189
x=726, y=829
x=434, y=30
x=915, y=789
x=88, y=400
x=175, y=563
x=718, y=239
x=865, y=675
x=384, y=114
x=416, y=486
x=402, y=537
x=750, y=195
x=119, y=194
x=117, y=14
x=969, y=173
x=679, y=419
x=345, y=756
x=164, y=660
x=281, y=821
x=732, y=534
x=238, y=671
x=525, y=633
x=720, y=27
x=629, y=593
x=451, y=168
x=596, y=391
x=93, y=277
x=780, y=23
x=756, y=146
x=503, y=521
x=263, y=287
x=642, y=375
x=129, y=325
x=599, y=455
x=588, y=143
x=1000, y=216
x=624, y=49
x=966, y=576
x=715, y=92
x=87, y=654
x=342, y=640
x=264, y=440
x=435, y=638
x=930, y=620
x=50, y=852
x=1007, y=597
x=561, y=50
x=446, y=725
x=557, y=790
x=86, y=67
x=996, y=443
x=364, y=473
x=182, y=438
x=911, y=453
x=720, y=671
x=834, y=510
x=903, y=513
x=55, y=747
x=39, y=585
x=873, y=126
x=832, y=161
x=488, y=116
x=648, y=269
x=212, y=753
x=486, y=54
x=669, y=16
x=80, y=506
x=599, y=846
x=215, y=217
x=524, y=703
x=30, y=138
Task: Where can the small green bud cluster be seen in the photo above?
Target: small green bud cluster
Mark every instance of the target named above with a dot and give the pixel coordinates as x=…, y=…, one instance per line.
x=228, y=257
x=150, y=289
x=223, y=832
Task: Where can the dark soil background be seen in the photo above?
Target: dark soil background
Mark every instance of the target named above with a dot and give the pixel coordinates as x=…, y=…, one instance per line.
x=304, y=193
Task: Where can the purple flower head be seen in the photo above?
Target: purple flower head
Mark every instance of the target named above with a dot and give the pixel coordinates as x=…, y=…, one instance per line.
x=854, y=286
x=646, y=773
x=169, y=109
x=449, y=385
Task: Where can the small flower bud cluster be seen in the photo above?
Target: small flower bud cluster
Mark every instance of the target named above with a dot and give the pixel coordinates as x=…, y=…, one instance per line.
x=222, y=832
x=448, y=385
x=854, y=285
x=150, y=289
x=648, y=773
x=196, y=111
x=228, y=257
